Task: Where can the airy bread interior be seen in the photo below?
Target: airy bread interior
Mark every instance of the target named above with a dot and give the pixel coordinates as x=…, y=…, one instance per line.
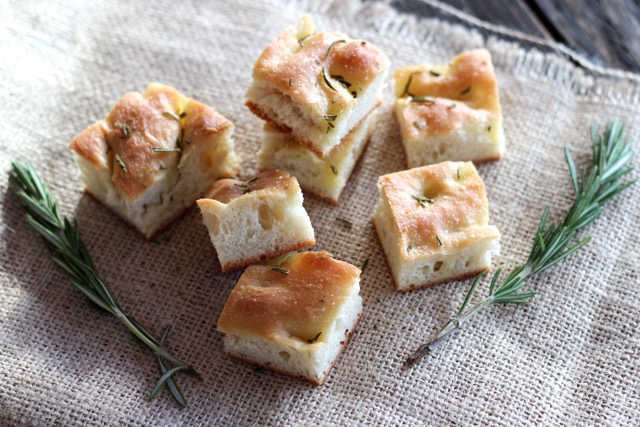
x=257, y=226
x=299, y=358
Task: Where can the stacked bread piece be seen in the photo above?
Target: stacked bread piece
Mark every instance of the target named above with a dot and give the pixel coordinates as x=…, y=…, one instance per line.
x=318, y=93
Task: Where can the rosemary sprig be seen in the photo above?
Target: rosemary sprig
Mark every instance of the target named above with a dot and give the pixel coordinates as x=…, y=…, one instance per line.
x=70, y=253
x=553, y=242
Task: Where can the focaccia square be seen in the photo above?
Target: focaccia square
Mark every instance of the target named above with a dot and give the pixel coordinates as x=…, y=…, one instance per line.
x=256, y=220
x=153, y=156
x=451, y=111
x=433, y=224
x=293, y=315
x=324, y=178
x=317, y=86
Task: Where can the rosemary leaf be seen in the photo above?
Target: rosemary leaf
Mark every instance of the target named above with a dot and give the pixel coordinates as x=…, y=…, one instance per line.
x=345, y=222
x=326, y=80
x=120, y=163
x=174, y=389
x=304, y=38
x=364, y=264
x=422, y=99
x=342, y=81
x=332, y=45
x=314, y=339
x=280, y=270
x=163, y=379
x=406, y=92
x=70, y=253
x=552, y=242
x=422, y=200
x=171, y=115
x=166, y=150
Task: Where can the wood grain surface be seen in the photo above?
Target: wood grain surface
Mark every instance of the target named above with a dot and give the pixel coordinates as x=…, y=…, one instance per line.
x=606, y=32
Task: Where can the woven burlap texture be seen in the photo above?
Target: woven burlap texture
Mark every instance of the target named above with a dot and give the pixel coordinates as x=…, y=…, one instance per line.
x=571, y=356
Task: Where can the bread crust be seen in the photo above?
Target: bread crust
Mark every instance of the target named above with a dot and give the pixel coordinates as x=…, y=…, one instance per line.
x=295, y=68
x=316, y=86
x=469, y=78
x=264, y=257
x=275, y=306
x=226, y=189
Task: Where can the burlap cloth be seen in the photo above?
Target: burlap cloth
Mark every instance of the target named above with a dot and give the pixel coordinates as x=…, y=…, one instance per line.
x=569, y=357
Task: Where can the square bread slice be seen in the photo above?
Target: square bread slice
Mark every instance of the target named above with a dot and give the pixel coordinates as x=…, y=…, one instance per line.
x=293, y=315
x=153, y=156
x=318, y=86
x=324, y=178
x=432, y=223
x=450, y=112
x=256, y=220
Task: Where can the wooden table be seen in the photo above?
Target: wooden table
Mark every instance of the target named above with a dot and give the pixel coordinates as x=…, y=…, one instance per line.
x=605, y=31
